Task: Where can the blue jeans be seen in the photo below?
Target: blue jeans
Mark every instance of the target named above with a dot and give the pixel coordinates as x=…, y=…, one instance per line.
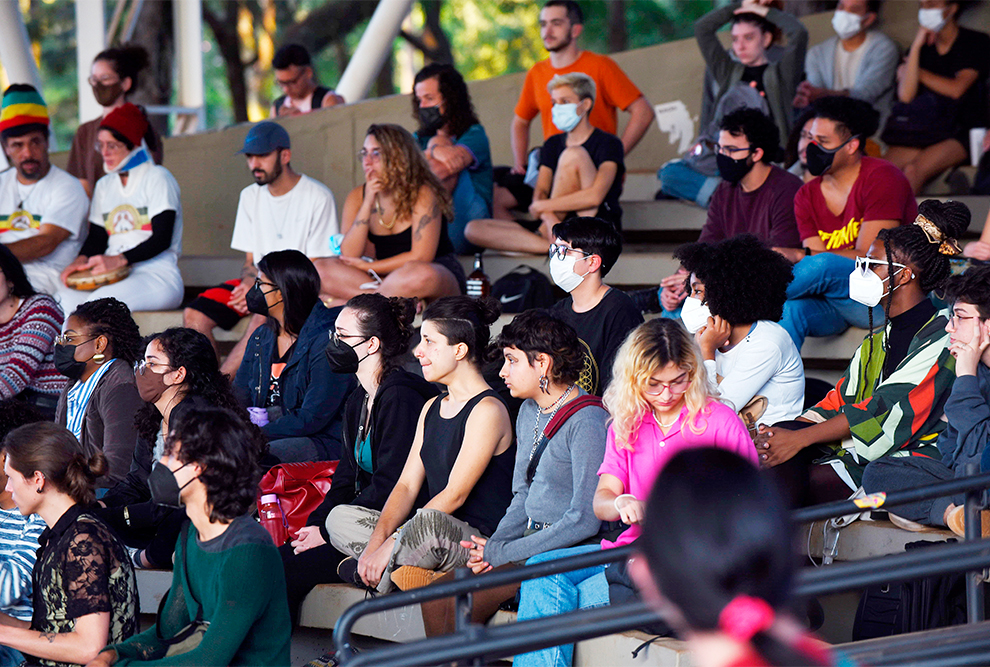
x=559, y=594
x=468, y=206
x=679, y=180
x=10, y=657
x=890, y=473
x=818, y=302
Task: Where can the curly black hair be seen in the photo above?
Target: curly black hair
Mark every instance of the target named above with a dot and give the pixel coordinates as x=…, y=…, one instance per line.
x=192, y=350
x=112, y=318
x=745, y=280
x=854, y=119
x=757, y=128
x=972, y=287
x=536, y=331
x=459, y=112
x=228, y=452
x=389, y=319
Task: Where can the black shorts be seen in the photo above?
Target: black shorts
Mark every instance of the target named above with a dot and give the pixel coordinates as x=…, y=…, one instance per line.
x=516, y=184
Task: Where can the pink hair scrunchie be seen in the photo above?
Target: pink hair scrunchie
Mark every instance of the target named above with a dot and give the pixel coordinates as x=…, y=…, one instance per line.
x=745, y=616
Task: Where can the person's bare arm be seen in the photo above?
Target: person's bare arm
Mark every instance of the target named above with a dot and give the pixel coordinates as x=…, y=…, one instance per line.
x=87, y=186
x=867, y=235
x=952, y=87
x=519, y=136
x=908, y=72
x=331, y=99
x=354, y=221
x=447, y=161
x=640, y=117
x=980, y=249
x=81, y=645
x=39, y=245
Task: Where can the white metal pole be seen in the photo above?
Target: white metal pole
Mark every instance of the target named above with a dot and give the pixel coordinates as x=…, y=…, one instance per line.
x=15, y=48
x=374, y=47
x=90, y=40
x=188, y=19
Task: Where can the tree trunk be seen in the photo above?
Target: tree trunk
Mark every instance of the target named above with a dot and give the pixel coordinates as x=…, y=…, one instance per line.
x=617, y=32
x=153, y=30
x=441, y=51
x=224, y=29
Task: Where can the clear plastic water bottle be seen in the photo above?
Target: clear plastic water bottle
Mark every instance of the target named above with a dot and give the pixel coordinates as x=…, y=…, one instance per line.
x=272, y=519
x=335, y=242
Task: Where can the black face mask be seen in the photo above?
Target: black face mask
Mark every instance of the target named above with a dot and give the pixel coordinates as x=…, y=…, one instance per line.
x=820, y=159
x=731, y=170
x=256, y=302
x=430, y=121
x=66, y=364
x=164, y=487
x=342, y=357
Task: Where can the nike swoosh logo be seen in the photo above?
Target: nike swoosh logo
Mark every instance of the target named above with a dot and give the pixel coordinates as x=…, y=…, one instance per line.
x=507, y=299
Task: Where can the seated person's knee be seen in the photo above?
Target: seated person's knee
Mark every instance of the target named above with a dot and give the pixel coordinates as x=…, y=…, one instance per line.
x=194, y=319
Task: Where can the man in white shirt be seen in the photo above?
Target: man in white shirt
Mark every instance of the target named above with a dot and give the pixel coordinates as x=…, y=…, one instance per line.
x=42, y=208
x=282, y=210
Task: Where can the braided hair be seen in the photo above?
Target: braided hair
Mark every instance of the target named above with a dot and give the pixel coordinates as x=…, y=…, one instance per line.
x=112, y=318
x=927, y=251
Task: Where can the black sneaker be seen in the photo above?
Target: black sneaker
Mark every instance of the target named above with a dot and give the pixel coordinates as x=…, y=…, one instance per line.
x=347, y=570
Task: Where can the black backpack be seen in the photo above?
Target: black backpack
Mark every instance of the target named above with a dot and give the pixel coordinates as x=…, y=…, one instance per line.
x=523, y=288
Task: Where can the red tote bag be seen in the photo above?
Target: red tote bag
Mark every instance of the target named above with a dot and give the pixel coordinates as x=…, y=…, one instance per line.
x=300, y=488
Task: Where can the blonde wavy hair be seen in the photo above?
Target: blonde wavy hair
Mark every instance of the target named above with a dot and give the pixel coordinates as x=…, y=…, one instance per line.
x=648, y=349
x=405, y=170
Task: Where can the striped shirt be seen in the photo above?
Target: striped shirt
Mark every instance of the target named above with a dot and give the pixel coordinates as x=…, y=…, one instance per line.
x=27, y=345
x=78, y=397
x=18, y=549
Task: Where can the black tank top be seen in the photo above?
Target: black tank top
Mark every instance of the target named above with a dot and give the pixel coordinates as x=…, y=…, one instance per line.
x=315, y=102
x=486, y=504
x=390, y=245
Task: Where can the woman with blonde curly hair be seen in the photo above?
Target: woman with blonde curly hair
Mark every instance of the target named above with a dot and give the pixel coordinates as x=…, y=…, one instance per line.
x=660, y=405
x=399, y=218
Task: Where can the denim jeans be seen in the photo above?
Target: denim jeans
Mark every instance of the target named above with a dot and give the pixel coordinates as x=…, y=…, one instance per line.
x=10, y=657
x=898, y=473
x=468, y=206
x=559, y=594
x=818, y=302
x=679, y=180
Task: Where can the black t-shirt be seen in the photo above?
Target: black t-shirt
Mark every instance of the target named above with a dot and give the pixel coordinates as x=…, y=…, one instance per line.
x=274, y=396
x=755, y=75
x=602, y=147
x=602, y=329
x=971, y=50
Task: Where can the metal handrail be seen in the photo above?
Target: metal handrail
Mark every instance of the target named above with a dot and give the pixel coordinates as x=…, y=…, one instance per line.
x=970, y=556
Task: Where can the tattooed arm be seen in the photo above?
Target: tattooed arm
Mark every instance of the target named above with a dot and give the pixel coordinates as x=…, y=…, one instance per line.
x=426, y=221
x=81, y=645
x=357, y=212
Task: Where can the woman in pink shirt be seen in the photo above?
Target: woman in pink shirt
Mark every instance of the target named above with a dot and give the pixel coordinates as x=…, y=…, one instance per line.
x=660, y=405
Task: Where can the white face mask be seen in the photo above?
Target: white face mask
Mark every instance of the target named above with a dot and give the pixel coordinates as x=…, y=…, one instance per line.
x=865, y=286
x=562, y=272
x=932, y=19
x=565, y=116
x=846, y=24
x=694, y=314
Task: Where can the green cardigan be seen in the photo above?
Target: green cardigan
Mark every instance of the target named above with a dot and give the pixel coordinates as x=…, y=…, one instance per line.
x=239, y=581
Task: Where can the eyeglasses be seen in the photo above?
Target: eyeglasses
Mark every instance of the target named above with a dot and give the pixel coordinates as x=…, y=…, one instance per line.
x=954, y=319
x=66, y=339
x=106, y=81
x=560, y=251
x=375, y=154
x=142, y=364
x=258, y=282
x=285, y=83
x=100, y=146
x=732, y=150
x=678, y=386
x=864, y=264
x=337, y=337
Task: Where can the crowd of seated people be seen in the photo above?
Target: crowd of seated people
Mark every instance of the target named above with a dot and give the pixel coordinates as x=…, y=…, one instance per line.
x=148, y=453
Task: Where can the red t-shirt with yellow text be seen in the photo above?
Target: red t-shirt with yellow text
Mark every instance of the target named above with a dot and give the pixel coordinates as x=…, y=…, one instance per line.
x=613, y=90
x=881, y=192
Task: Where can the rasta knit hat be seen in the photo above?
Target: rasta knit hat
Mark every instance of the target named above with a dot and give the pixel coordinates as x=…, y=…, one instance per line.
x=129, y=121
x=22, y=105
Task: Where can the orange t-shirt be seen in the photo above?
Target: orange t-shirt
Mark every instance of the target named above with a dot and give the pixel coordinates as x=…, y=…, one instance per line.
x=613, y=89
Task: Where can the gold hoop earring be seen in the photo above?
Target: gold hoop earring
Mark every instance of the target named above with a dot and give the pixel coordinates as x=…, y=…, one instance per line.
x=99, y=358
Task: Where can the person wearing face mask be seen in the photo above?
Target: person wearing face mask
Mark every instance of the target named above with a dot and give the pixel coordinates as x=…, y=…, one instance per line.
x=29, y=325
x=583, y=252
x=839, y=214
x=178, y=371
x=581, y=172
x=370, y=339
x=135, y=230
x=227, y=581
x=113, y=77
x=285, y=376
x=891, y=398
x=455, y=145
x=859, y=61
x=97, y=352
x=942, y=94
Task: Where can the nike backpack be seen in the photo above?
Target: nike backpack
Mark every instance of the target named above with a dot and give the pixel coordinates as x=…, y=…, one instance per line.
x=523, y=288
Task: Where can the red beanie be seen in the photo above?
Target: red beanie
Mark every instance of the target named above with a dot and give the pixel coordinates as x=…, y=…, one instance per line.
x=129, y=121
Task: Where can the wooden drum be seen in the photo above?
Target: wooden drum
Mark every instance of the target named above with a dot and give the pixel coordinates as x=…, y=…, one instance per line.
x=85, y=280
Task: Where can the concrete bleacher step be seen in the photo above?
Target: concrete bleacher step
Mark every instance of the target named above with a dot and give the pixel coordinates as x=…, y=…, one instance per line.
x=867, y=539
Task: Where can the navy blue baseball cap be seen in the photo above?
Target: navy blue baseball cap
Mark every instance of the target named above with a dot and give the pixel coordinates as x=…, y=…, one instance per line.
x=265, y=137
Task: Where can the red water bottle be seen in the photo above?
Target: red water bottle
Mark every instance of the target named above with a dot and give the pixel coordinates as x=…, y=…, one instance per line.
x=272, y=519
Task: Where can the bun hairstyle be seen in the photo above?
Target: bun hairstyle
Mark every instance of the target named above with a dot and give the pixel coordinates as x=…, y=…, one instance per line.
x=464, y=319
x=389, y=319
x=52, y=450
x=709, y=551
x=127, y=61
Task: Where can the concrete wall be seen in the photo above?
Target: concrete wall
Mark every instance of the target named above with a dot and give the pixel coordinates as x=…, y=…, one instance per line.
x=325, y=144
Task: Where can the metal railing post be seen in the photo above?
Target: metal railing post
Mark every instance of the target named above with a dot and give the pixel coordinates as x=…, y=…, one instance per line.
x=463, y=606
x=974, y=531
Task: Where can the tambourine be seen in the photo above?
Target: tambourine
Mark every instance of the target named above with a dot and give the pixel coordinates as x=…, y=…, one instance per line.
x=85, y=280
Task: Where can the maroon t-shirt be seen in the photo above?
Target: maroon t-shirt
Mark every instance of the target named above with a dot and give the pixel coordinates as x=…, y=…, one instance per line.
x=767, y=212
x=881, y=192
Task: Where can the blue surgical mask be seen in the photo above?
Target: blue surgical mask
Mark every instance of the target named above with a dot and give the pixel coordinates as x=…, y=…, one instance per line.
x=565, y=116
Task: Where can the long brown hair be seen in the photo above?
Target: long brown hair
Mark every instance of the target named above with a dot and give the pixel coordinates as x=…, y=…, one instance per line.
x=405, y=170
x=52, y=450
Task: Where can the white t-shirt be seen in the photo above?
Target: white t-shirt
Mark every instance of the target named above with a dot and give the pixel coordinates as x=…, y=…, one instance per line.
x=57, y=199
x=765, y=363
x=126, y=211
x=302, y=219
x=847, y=63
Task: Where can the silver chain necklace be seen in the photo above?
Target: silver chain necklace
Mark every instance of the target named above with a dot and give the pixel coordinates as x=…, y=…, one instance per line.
x=537, y=431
